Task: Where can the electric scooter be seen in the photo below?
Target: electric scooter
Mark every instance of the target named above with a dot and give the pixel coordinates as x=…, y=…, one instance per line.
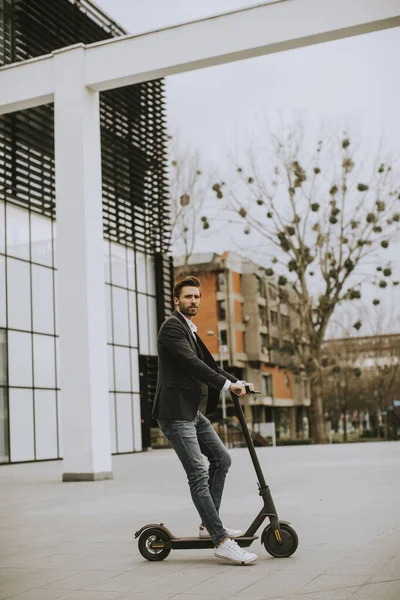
x=279, y=538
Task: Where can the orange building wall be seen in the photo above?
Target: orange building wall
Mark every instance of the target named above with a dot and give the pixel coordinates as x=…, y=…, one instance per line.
x=281, y=390
x=239, y=341
x=207, y=318
x=237, y=311
x=236, y=283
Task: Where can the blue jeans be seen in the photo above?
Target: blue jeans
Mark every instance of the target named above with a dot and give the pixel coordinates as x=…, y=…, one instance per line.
x=191, y=439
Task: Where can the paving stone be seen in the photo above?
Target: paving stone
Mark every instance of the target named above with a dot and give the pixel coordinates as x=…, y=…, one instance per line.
x=39, y=594
x=337, y=594
x=81, y=580
x=334, y=582
x=91, y=595
x=76, y=540
x=389, y=590
x=389, y=571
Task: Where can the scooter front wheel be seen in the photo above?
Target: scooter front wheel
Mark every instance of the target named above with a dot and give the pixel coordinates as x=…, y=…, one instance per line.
x=288, y=544
x=152, y=544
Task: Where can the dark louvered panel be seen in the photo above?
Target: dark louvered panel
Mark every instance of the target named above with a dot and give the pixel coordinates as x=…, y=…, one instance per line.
x=133, y=129
x=27, y=159
x=148, y=368
x=164, y=286
x=6, y=32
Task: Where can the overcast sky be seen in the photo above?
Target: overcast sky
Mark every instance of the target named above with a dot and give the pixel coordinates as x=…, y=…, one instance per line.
x=353, y=82
x=356, y=78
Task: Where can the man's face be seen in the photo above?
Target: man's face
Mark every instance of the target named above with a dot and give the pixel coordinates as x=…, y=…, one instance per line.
x=188, y=301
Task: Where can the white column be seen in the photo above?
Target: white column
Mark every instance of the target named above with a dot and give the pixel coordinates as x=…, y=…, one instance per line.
x=80, y=293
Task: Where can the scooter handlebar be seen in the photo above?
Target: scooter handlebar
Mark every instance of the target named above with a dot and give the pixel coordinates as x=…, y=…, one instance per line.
x=249, y=391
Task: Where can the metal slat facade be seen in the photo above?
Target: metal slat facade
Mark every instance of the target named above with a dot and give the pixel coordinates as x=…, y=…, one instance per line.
x=133, y=129
x=134, y=174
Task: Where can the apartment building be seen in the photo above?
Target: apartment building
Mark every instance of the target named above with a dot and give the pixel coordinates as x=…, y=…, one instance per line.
x=245, y=322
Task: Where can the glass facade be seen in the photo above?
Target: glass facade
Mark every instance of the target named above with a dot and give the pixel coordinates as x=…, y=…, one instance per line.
x=30, y=393
x=30, y=390
x=138, y=272
x=4, y=418
x=130, y=290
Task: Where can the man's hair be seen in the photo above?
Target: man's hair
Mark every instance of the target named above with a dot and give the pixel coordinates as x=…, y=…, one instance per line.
x=188, y=281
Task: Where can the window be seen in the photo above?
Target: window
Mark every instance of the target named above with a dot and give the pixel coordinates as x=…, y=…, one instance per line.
x=283, y=296
x=266, y=385
x=224, y=337
x=275, y=343
x=42, y=299
x=41, y=240
x=44, y=364
x=120, y=316
x=285, y=320
x=262, y=314
x=220, y=282
x=261, y=288
x=4, y=454
x=20, y=359
x=3, y=312
x=143, y=325
x=18, y=236
x=274, y=318
x=264, y=342
x=272, y=293
x=3, y=357
x=19, y=294
x=221, y=305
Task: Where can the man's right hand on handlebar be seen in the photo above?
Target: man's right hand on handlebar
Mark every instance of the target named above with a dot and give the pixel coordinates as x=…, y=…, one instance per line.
x=239, y=388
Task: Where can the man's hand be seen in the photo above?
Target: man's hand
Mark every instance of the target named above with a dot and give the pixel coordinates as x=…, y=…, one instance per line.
x=238, y=389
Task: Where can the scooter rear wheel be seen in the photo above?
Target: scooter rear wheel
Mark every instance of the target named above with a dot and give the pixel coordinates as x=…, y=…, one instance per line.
x=289, y=543
x=151, y=538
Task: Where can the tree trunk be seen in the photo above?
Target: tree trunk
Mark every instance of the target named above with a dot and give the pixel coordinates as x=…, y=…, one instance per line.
x=345, y=423
x=318, y=432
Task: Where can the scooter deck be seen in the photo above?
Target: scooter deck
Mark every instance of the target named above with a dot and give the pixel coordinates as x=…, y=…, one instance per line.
x=185, y=543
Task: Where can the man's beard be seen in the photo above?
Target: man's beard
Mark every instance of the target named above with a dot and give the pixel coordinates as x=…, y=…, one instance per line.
x=188, y=311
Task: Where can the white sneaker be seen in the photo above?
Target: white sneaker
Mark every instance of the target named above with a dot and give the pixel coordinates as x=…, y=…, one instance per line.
x=233, y=553
x=203, y=533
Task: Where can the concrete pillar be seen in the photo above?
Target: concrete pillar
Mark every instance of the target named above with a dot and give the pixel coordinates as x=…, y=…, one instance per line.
x=80, y=295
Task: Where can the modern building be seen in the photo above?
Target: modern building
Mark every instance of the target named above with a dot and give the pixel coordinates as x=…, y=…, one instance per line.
x=137, y=270
x=366, y=352
x=366, y=386
x=245, y=322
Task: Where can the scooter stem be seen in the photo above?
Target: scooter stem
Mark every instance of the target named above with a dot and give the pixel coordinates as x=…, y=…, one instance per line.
x=268, y=509
x=249, y=442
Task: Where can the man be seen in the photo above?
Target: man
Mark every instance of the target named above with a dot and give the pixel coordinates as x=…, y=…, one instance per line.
x=189, y=379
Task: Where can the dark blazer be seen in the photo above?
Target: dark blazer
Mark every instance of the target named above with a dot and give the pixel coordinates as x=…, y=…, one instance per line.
x=183, y=365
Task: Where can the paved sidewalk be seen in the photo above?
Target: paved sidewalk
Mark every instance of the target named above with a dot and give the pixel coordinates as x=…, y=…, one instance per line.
x=75, y=540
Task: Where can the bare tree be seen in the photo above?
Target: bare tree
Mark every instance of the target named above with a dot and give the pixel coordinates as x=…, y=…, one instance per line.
x=327, y=216
x=188, y=190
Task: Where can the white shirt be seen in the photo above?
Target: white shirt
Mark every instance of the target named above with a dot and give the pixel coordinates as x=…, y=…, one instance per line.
x=192, y=326
x=193, y=329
